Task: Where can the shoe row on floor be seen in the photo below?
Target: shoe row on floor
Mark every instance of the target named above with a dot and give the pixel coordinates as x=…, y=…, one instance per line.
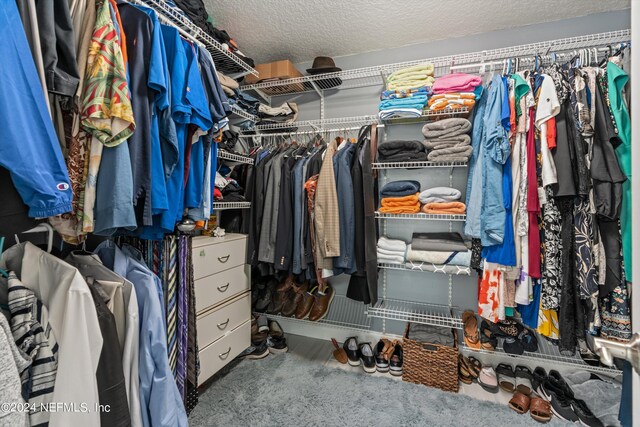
x=288, y=298
x=267, y=337
x=542, y=395
x=517, y=338
x=385, y=356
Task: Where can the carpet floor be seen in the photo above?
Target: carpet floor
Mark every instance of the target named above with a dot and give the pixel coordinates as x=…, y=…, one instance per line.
x=288, y=390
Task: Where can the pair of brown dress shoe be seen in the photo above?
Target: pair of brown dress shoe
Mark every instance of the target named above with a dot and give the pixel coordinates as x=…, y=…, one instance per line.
x=296, y=299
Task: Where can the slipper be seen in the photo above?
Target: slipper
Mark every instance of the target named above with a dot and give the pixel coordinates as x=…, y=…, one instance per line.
x=474, y=366
x=540, y=410
x=506, y=377
x=520, y=403
x=471, y=336
x=488, y=380
x=523, y=380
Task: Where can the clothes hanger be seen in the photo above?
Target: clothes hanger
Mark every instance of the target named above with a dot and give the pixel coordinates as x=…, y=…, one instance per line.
x=43, y=227
x=3, y=272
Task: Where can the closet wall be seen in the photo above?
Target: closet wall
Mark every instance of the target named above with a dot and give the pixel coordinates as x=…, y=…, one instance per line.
x=425, y=286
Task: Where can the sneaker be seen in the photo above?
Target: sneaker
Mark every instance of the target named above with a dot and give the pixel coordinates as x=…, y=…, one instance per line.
x=276, y=342
x=366, y=358
x=539, y=377
x=560, y=403
x=255, y=351
x=353, y=351
x=381, y=353
x=584, y=414
x=396, y=361
x=256, y=335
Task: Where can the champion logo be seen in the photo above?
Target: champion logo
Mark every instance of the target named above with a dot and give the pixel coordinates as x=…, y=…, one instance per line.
x=62, y=186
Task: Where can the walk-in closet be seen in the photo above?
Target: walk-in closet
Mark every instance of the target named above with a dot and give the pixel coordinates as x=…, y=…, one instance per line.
x=253, y=213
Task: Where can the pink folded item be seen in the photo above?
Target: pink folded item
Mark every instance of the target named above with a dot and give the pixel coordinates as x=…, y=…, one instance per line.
x=456, y=82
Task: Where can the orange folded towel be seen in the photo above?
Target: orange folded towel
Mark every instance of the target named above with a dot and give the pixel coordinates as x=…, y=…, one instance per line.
x=415, y=208
x=405, y=204
x=400, y=201
x=445, y=208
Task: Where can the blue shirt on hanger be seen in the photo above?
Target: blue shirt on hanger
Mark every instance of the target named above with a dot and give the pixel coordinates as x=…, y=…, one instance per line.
x=160, y=400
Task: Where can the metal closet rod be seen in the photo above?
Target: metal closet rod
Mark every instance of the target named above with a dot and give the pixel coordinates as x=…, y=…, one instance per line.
x=306, y=132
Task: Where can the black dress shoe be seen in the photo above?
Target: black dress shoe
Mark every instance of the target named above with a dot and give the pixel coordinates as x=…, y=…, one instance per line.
x=584, y=414
x=353, y=352
x=396, y=361
x=367, y=358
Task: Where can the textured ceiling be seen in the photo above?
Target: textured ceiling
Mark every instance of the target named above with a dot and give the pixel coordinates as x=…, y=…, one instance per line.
x=269, y=30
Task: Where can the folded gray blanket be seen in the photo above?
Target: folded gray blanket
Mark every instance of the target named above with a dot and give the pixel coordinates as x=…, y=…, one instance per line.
x=438, y=241
x=456, y=153
x=390, y=148
x=406, y=156
x=446, y=127
x=434, y=144
x=439, y=195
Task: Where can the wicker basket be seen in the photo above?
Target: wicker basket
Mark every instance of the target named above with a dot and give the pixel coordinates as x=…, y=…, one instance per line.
x=433, y=365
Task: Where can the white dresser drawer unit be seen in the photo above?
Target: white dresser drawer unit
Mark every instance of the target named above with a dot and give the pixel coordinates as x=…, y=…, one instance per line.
x=212, y=255
x=216, y=355
x=213, y=324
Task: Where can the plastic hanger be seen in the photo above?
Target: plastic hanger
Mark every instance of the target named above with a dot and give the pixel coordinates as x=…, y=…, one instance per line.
x=2, y=271
x=43, y=227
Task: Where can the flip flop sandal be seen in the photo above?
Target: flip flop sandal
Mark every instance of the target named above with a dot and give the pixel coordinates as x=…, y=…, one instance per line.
x=523, y=380
x=488, y=341
x=540, y=410
x=466, y=379
x=463, y=366
x=471, y=336
x=506, y=377
x=474, y=366
x=520, y=403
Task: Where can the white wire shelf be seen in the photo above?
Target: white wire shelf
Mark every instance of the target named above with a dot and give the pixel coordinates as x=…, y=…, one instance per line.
x=372, y=76
x=319, y=124
x=231, y=205
x=454, y=270
x=428, y=115
x=418, y=165
x=225, y=60
x=241, y=113
x=421, y=216
x=547, y=351
x=416, y=312
x=225, y=155
x=343, y=312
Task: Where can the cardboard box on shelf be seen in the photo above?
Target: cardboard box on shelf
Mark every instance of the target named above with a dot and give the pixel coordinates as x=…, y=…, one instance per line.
x=278, y=70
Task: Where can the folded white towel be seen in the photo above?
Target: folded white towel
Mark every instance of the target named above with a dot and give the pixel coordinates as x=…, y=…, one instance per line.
x=391, y=259
x=385, y=252
x=392, y=244
x=439, y=194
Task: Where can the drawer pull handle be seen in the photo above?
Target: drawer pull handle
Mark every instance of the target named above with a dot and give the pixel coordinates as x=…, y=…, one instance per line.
x=223, y=288
x=223, y=324
x=224, y=259
x=225, y=354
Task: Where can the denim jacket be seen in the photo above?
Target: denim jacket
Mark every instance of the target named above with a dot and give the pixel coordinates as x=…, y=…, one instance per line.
x=474, y=181
x=495, y=151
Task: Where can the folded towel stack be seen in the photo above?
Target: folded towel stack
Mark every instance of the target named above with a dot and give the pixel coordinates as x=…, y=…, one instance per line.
x=401, y=151
x=456, y=82
x=452, y=101
x=398, y=205
x=438, y=248
x=400, y=188
x=411, y=78
x=447, y=140
x=410, y=106
x=441, y=200
x=407, y=92
x=391, y=251
x=439, y=195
